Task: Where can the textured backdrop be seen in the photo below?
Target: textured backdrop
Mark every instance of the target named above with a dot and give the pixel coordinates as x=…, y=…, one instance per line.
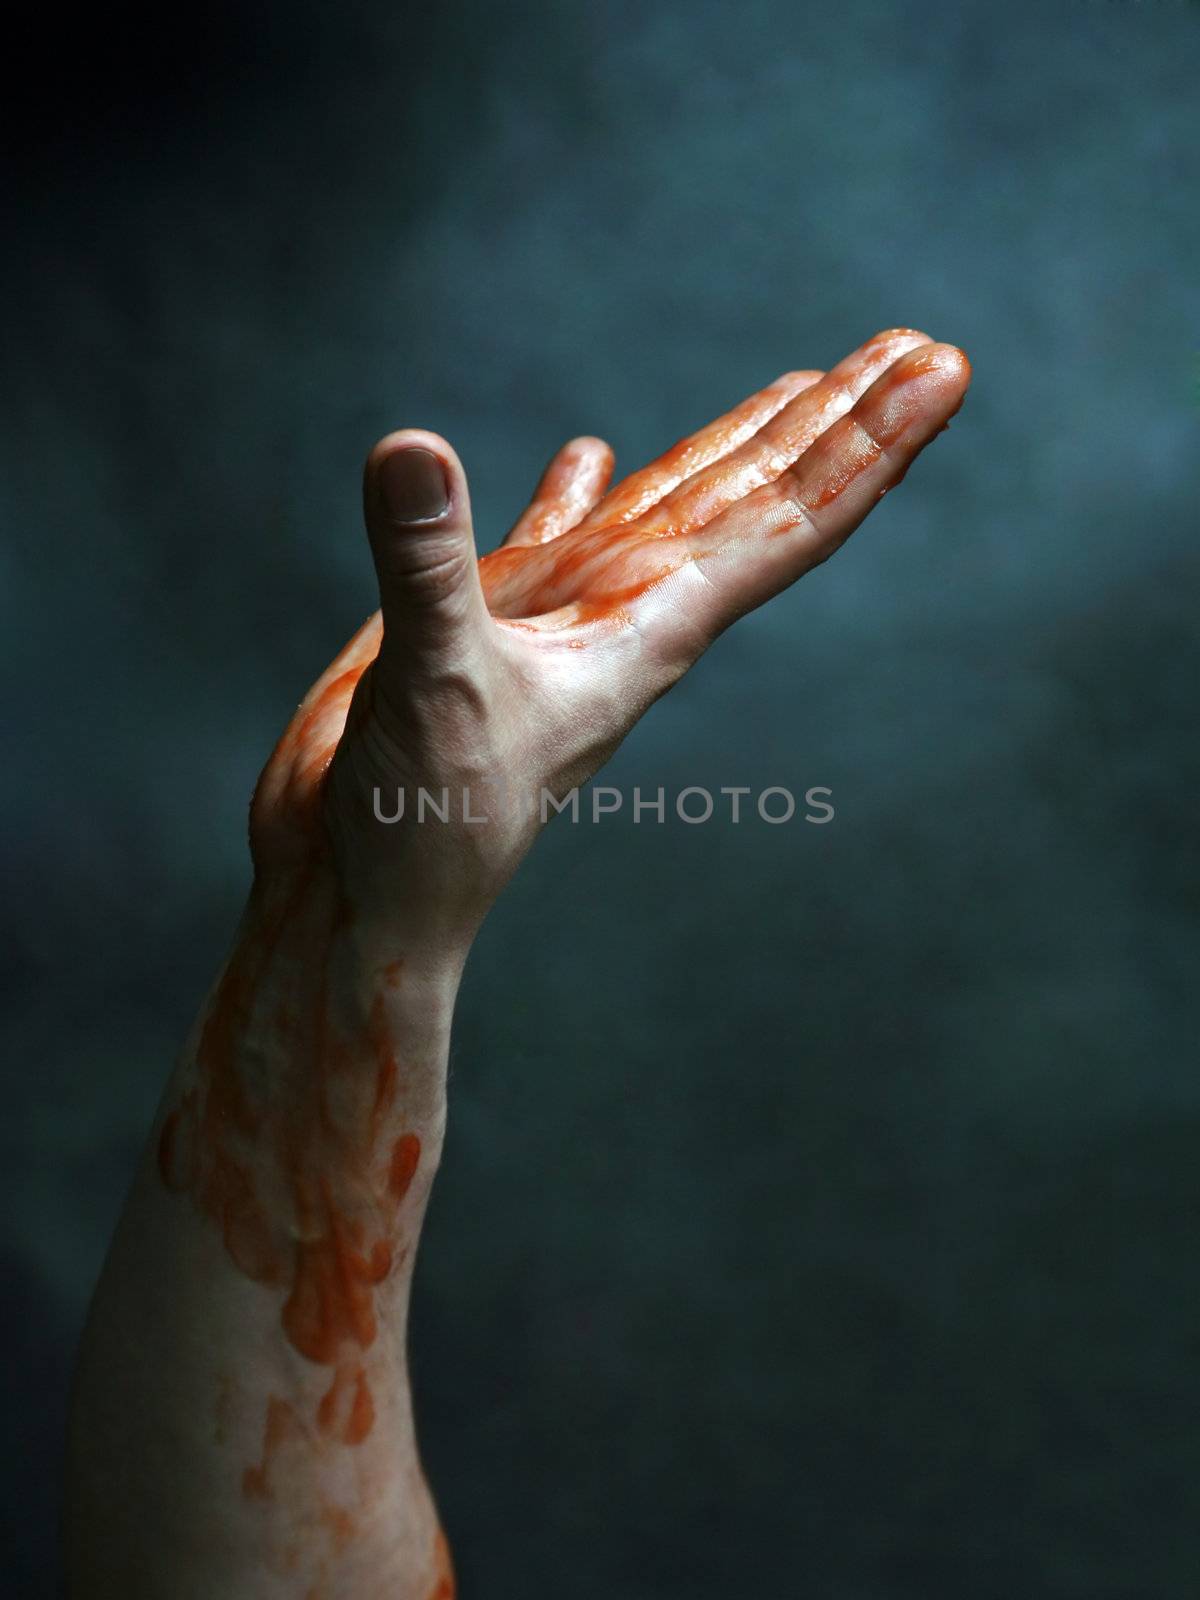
x=819, y=1213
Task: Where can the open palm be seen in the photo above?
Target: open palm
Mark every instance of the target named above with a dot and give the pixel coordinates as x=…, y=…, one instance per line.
x=526, y=669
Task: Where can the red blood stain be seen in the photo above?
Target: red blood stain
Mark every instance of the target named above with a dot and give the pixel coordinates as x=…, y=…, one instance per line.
x=340, y=1524
x=406, y=1155
x=347, y=1410
x=443, y=1586
x=281, y=1425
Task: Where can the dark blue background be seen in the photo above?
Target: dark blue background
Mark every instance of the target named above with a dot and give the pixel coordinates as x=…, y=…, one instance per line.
x=819, y=1215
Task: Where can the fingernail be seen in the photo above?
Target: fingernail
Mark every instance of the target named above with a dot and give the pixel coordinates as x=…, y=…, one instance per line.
x=413, y=486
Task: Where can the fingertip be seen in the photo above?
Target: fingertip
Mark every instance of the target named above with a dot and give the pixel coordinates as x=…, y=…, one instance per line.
x=801, y=378
x=914, y=399
x=891, y=335
x=945, y=364
x=586, y=448
x=413, y=476
x=406, y=439
x=880, y=352
x=956, y=363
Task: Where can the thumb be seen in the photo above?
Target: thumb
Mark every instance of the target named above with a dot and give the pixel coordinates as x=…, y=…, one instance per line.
x=418, y=516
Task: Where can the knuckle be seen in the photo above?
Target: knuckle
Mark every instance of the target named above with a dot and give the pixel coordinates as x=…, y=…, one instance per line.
x=430, y=571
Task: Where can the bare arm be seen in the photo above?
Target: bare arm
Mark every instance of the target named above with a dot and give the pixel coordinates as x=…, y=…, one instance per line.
x=242, y=1422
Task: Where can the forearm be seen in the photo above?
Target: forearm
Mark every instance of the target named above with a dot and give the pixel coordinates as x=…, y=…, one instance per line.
x=242, y=1422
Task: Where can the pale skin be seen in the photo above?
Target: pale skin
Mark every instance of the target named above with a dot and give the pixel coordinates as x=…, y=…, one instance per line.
x=241, y=1424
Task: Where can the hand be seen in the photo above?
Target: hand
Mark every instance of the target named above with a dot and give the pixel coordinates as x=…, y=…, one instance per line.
x=525, y=670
